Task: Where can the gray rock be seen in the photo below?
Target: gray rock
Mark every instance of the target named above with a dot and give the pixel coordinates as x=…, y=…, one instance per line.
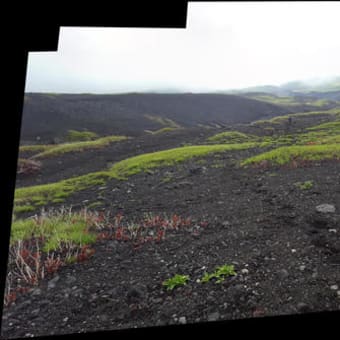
x=302, y=307
x=213, y=316
x=283, y=273
x=325, y=208
x=135, y=293
x=70, y=279
x=52, y=283
x=182, y=320
x=36, y=292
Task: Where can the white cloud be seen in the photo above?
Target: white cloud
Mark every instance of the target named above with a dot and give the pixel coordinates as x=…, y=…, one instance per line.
x=225, y=45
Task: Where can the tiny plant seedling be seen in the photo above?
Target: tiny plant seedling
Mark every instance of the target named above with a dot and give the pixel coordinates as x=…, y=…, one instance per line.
x=219, y=274
x=177, y=280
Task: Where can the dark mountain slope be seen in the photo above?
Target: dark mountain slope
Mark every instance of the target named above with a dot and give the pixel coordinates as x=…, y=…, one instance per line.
x=48, y=115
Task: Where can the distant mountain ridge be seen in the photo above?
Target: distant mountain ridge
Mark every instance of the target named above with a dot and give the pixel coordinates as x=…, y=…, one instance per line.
x=295, y=88
x=47, y=115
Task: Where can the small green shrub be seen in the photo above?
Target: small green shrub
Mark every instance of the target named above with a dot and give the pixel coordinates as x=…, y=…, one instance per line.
x=219, y=274
x=177, y=280
x=304, y=185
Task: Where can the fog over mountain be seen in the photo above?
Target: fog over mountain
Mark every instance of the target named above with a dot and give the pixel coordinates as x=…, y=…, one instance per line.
x=225, y=45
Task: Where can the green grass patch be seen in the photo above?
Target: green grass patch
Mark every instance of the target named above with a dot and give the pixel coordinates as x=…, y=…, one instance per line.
x=177, y=280
x=134, y=165
x=286, y=154
x=23, y=208
x=78, y=136
x=35, y=148
x=163, y=130
x=329, y=126
x=304, y=185
x=232, y=137
x=54, y=230
x=283, y=119
x=39, y=195
x=43, y=194
x=162, y=121
x=79, y=146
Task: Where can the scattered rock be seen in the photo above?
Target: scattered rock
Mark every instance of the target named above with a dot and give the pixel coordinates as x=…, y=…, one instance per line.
x=52, y=283
x=302, y=268
x=283, y=273
x=36, y=292
x=334, y=287
x=302, y=307
x=213, y=316
x=245, y=271
x=135, y=293
x=182, y=320
x=325, y=208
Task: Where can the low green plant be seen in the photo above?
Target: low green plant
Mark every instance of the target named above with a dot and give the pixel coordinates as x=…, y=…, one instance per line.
x=177, y=280
x=304, y=185
x=219, y=274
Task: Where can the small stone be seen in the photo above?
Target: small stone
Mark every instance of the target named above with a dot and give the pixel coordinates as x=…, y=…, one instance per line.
x=302, y=307
x=65, y=319
x=182, y=320
x=338, y=293
x=213, y=316
x=293, y=250
x=334, y=287
x=245, y=271
x=302, y=268
x=283, y=273
x=325, y=208
x=52, y=283
x=36, y=292
x=332, y=231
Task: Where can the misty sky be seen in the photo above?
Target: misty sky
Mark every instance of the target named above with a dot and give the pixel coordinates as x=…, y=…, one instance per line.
x=225, y=45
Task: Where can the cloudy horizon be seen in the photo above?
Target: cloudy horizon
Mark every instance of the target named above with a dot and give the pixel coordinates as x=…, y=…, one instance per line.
x=225, y=46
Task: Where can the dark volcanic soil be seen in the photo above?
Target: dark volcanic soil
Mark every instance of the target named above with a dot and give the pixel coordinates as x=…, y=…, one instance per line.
x=286, y=255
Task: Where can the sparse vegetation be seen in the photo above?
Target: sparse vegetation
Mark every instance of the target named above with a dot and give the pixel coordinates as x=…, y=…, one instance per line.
x=177, y=280
x=78, y=136
x=162, y=121
x=79, y=146
x=35, y=148
x=282, y=119
x=232, y=137
x=163, y=130
x=304, y=185
x=28, y=166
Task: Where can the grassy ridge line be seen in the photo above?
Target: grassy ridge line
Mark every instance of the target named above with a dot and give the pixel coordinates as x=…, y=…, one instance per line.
x=286, y=154
x=56, y=192
x=280, y=119
x=78, y=146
